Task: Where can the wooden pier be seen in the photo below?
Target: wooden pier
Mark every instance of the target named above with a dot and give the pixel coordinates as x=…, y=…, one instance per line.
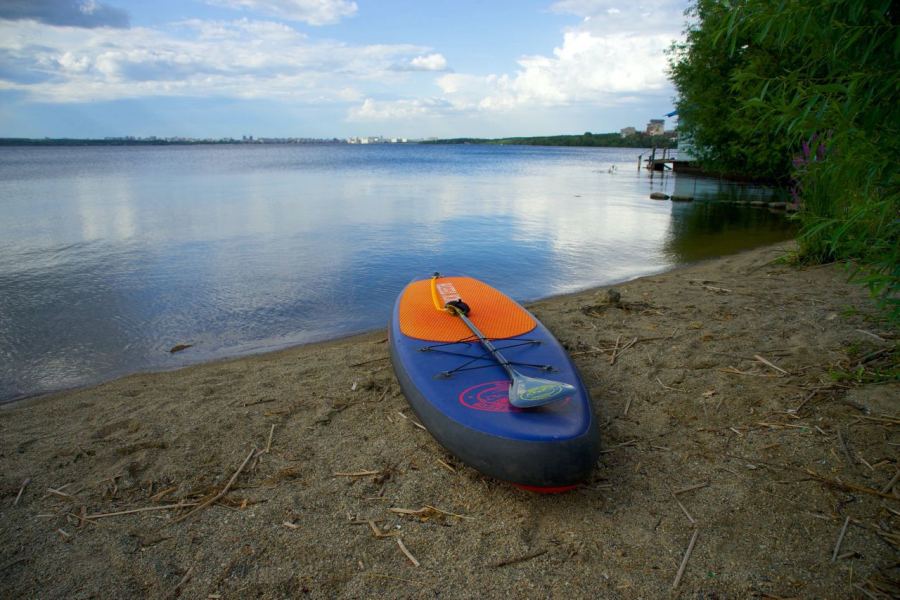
x=667, y=161
x=664, y=162
x=661, y=164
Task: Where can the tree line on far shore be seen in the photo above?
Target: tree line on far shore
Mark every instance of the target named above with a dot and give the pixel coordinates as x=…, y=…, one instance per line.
x=805, y=92
x=602, y=140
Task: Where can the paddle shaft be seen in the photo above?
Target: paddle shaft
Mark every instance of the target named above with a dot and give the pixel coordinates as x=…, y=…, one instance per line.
x=524, y=391
x=487, y=344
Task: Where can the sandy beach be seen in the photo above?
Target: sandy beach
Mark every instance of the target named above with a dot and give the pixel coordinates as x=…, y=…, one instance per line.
x=737, y=463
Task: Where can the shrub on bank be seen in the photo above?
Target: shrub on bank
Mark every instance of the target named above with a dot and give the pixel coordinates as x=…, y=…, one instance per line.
x=805, y=92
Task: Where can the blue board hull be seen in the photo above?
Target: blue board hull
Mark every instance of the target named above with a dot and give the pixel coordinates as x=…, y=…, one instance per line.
x=459, y=392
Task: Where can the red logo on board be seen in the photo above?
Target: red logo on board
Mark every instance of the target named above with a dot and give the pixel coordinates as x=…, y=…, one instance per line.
x=490, y=396
x=493, y=396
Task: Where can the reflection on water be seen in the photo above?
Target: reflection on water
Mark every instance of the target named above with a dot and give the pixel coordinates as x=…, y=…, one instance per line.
x=111, y=256
x=715, y=229
x=718, y=190
x=718, y=221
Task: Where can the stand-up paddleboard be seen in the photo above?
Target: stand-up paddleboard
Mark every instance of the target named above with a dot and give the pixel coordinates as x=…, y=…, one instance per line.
x=458, y=345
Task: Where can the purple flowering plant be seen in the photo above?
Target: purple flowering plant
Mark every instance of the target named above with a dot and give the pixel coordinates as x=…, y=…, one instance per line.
x=812, y=151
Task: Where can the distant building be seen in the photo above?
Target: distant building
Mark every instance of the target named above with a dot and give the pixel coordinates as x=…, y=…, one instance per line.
x=656, y=127
x=628, y=131
x=376, y=139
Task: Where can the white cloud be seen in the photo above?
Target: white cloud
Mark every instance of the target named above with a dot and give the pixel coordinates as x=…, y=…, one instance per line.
x=313, y=12
x=586, y=8
x=586, y=68
x=612, y=56
x=615, y=54
x=243, y=59
x=430, y=62
x=626, y=16
x=395, y=110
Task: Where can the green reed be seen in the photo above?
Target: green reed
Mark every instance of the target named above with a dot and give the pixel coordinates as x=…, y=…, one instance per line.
x=805, y=92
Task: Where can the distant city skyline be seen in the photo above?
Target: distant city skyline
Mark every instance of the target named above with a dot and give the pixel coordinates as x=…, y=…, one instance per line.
x=333, y=68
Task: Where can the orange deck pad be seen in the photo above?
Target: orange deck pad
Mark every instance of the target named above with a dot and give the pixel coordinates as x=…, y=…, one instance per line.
x=496, y=315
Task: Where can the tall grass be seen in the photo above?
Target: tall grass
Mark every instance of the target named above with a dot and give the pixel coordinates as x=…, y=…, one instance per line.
x=850, y=211
x=818, y=82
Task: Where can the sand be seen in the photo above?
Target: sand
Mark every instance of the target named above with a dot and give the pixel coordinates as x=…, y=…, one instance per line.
x=724, y=430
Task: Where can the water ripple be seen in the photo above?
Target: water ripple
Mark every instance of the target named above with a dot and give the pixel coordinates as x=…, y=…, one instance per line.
x=109, y=257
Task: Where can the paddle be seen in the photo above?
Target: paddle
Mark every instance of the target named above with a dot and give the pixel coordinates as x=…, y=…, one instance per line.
x=524, y=391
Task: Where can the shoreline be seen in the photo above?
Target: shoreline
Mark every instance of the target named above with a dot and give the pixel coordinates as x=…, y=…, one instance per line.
x=302, y=471
x=15, y=401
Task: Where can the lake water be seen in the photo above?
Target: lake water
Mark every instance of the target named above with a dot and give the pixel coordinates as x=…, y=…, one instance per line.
x=110, y=256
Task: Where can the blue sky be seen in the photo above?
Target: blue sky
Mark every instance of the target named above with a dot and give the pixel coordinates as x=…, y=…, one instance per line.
x=333, y=68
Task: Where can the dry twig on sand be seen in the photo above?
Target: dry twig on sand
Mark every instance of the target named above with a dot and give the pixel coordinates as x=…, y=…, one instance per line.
x=377, y=532
x=446, y=466
x=712, y=288
x=221, y=493
x=366, y=362
x=176, y=590
x=612, y=358
x=425, y=512
x=770, y=365
x=517, y=559
x=849, y=486
x=263, y=401
x=416, y=423
x=611, y=448
x=881, y=419
x=356, y=474
x=737, y=371
x=690, y=488
x=837, y=545
x=269, y=443
x=681, y=506
x=140, y=510
x=872, y=335
x=21, y=491
x=403, y=549
x=844, y=447
x=617, y=352
x=58, y=492
x=667, y=387
x=82, y=517
x=684, y=561
x=162, y=493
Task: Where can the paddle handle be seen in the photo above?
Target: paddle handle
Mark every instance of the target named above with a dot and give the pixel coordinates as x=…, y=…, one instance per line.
x=449, y=300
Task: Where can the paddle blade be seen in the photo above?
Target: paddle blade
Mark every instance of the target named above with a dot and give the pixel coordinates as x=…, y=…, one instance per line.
x=529, y=392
